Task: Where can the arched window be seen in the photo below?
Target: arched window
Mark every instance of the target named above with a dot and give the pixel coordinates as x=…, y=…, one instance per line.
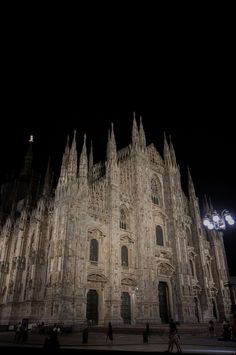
x=123, y=219
x=192, y=267
x=94, y=250
x=124, y=256
x=154, y=192
x=159, y=236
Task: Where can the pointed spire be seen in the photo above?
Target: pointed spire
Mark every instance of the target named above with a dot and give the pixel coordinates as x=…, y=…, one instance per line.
x=64, y=163
x=91, y=156
x=190, y=180
x=135, y=133
x=73, y=146
x=83, y=163
x=111, y=145
x=84, y=149
x=90, y=167
x=33, y=188
x=47, y=179
x=142, y=136
x=108, y=144
x=211, y=205
x=28, y=158
x=72, y=162
x=191, y=189
x=206, y=205
x=172, y=153
x=112, y=142
x=167, y=157
x=67, y=148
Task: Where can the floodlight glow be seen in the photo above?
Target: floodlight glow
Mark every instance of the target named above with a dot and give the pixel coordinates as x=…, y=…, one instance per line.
x=218, y=222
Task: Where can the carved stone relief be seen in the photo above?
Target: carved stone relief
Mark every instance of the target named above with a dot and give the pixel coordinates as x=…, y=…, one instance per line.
x=165, y=269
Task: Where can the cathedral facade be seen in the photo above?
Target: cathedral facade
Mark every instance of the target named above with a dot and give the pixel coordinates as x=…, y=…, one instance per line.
x=113, y=241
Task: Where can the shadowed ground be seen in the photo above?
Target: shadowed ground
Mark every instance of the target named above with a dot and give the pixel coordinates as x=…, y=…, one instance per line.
x=194, y=340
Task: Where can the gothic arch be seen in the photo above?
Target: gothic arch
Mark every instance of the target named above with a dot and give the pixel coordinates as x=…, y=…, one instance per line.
x=93, y=251
x=159, y=235
x=124, y=256
x=156, y=191
x=124, y=217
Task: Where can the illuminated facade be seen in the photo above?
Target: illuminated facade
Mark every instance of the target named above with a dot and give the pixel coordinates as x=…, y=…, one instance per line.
x=115, y=241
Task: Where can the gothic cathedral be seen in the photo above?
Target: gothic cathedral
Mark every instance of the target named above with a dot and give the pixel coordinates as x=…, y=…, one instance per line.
x=113, y=241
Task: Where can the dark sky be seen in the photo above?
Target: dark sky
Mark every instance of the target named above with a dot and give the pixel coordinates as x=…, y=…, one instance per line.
x=180, y=79
x=204, y=143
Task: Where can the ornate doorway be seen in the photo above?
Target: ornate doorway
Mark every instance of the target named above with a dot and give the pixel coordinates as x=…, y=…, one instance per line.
x=125, y=307
x=92, y=307
x=163, y=302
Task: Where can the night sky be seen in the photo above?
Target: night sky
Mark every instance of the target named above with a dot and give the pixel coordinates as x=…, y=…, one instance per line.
x=180, y=79
x=201, y=143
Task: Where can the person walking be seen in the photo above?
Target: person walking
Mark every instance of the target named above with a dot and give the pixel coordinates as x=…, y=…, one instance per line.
x=52, y=343
x=109, y=333
x=211, y=328
x=146, y=333
x=17, y=333
x=173, y=337
x=85, y=333
x=148, y=329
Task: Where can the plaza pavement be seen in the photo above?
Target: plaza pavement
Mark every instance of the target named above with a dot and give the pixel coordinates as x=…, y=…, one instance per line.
x=126, y=341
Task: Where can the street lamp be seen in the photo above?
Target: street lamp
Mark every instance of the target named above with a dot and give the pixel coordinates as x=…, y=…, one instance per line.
x=215, y=221
x=219, y=222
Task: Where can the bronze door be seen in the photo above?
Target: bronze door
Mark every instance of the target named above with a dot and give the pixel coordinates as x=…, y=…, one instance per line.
x=92, y=307
x=125, y=307
x=163, y=302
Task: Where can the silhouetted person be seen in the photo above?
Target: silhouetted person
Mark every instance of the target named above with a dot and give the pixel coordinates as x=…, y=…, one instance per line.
x=227, y=330
x=109, y=332
x=41, y=328
x=211, y=328
x=85, y=335
x=146, y=333
x=148, y=329
x=145, y=336
x=173, y=337
x=24, y=332
x=51, y=343
x=17, y=333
